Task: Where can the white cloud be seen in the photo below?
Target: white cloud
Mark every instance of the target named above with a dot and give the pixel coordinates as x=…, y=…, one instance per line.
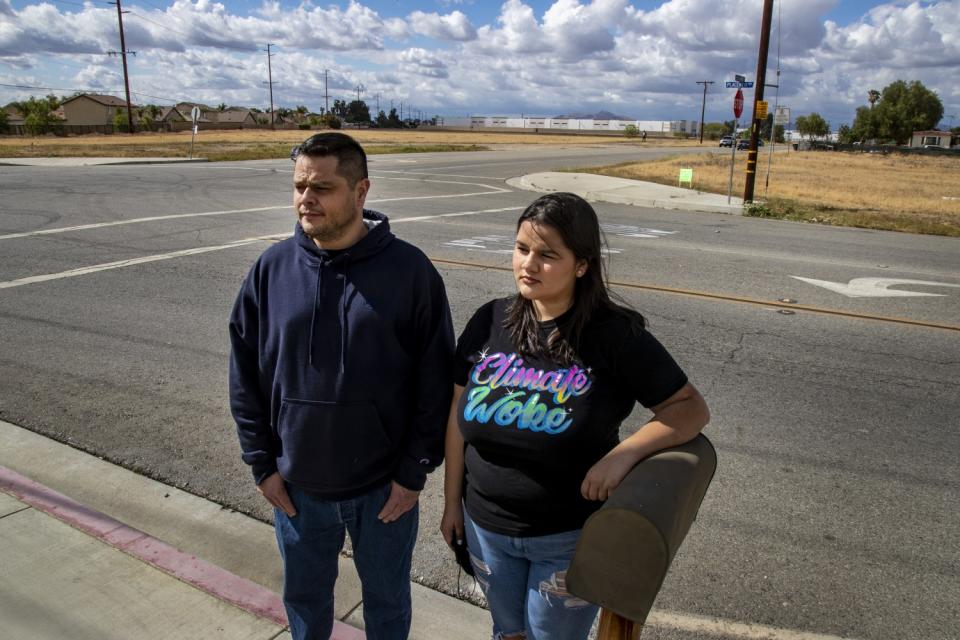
x=454, y=26
x=576, y=54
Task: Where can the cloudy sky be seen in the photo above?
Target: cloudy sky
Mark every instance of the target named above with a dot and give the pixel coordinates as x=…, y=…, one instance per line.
x=640, y=59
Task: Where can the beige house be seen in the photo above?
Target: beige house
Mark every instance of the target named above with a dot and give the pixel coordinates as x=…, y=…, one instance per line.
x=92, y=109
x=234, y=116
x=171, y=114
x=931, y=139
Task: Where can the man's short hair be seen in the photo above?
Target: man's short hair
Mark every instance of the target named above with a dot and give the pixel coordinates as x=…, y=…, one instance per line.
x=351, y=158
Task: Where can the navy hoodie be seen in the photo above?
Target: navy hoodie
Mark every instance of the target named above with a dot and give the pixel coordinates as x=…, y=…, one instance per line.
x=341, y=364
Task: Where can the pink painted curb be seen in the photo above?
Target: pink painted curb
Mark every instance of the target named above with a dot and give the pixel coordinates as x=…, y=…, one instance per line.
x=188, y=568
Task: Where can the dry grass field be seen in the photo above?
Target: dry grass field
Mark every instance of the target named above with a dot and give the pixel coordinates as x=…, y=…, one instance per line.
x=920, y=194
x=263, y=144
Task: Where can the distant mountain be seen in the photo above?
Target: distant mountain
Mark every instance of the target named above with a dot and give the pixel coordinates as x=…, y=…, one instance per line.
x=600, y=115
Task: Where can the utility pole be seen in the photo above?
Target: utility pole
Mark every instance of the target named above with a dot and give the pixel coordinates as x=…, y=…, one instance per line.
x=273, y=118
x=377, y=95
x=326, y=94
x=757, y=97
x=703, y=109
x=126, y=76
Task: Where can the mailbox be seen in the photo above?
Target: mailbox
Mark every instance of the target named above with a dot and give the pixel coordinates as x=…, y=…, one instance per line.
x=627, y=546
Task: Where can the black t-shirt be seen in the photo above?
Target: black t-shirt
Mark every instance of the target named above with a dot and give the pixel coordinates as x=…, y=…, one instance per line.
x=534, y=427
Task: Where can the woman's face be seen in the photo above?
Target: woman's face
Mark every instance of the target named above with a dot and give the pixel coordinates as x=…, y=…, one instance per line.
x=545, y=269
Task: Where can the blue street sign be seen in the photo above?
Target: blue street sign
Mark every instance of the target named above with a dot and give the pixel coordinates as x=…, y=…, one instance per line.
x=738, y=85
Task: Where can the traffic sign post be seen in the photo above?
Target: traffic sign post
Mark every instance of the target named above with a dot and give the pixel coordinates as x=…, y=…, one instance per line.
x=762, y=107
x=195, y=116
x=737, y=111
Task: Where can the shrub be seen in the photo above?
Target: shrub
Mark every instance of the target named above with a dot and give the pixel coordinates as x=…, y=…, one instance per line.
x=631, y=131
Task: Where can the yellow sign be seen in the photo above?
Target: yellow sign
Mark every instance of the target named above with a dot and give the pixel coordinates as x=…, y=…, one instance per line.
x=762, y=106
x=686, y=175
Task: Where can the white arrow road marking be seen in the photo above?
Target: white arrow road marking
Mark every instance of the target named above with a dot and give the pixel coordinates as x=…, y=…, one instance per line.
x=876, y=287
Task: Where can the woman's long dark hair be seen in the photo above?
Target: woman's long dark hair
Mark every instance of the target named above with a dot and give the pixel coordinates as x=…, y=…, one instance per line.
x=576, y=222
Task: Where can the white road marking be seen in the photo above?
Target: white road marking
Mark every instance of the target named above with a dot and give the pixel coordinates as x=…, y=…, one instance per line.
x=115, y=223
x=119, y=264
x=432, y=173
x=497, y=244
x=730, y=628
x=877, y=287
x=630, y=231
x=99, y=225
x=82, y=271
x=453, y=215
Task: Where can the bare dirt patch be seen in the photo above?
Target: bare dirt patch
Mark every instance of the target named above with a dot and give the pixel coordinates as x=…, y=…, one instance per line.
x=265, y=144
x=919, y=194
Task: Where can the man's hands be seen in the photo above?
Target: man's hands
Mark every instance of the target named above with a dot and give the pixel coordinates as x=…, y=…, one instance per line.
x=275, y=491
x=400, y=501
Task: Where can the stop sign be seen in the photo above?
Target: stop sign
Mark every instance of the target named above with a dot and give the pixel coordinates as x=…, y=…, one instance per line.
x=738, y=103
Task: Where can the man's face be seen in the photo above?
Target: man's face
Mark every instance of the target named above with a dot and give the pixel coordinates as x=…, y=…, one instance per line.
x=329, y=209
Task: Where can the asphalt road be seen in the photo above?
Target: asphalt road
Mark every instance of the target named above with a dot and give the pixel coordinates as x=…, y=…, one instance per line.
x=834, y=508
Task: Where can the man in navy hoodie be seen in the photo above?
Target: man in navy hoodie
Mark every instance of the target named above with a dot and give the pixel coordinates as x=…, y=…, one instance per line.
x=340, y=384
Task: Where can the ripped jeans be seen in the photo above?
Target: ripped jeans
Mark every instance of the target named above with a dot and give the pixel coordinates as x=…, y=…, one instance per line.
x=523, y=580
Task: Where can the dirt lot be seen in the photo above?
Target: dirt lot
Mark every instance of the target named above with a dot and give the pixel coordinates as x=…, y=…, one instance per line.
x=263, y=144
x=898, y=192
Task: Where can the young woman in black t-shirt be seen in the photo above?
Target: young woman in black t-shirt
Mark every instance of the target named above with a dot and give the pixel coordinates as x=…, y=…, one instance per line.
x=543, y=380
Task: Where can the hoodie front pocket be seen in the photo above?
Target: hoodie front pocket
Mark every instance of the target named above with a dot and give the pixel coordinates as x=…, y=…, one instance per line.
x=332, y=446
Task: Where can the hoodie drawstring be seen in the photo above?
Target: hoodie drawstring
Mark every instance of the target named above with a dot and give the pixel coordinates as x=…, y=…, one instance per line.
x=313, y=316
x=343, y=316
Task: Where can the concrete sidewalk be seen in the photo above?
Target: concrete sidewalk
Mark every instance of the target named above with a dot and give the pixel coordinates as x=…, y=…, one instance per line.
x=90, y=550
x=622, y=191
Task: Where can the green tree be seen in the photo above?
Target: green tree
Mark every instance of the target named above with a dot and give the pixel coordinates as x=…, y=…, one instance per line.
x=631, y=131
x=38, y=117
x=358, y=112
x=120, y=121
x=4, y=121
x=714, y=130
x=872, y=96
x=845, y=134
x=864, y=125
x=904, y=108
x=393, y=120
x=330, y=121
x=813, y=126
x=339, y=108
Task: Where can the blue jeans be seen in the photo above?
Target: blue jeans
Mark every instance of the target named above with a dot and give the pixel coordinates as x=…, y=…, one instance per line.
x=310, y=545
x=524, y=582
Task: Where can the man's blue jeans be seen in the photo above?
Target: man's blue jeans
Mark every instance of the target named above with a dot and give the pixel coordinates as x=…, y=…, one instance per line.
x=524, y=580
x=310, y=544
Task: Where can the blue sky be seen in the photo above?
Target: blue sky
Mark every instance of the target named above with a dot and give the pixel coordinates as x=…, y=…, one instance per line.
x=640, y=59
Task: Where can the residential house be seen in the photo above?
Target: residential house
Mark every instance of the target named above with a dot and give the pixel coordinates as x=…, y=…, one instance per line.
x=940, y=139
x=91, y=109
x=235, y=116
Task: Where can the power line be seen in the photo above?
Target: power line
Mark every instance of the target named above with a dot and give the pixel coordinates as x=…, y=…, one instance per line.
x=162, y=26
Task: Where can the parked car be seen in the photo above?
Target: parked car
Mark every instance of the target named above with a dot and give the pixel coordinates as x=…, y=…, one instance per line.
x=744, y=143
x=726, y=141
